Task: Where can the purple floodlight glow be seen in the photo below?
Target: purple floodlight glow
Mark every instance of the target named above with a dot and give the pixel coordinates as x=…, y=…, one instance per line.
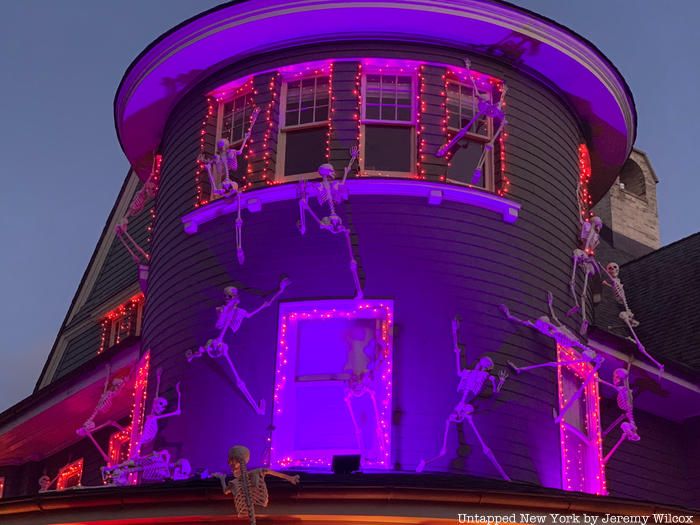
x=333, y=383
x=582, y=466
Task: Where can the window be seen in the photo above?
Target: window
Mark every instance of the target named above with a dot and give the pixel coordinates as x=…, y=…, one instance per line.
x=333, y=363
x=119, y=443
x=388, y=124
x=632, y=179
x=303, y=127
x=465, y=156
x=122, y=323
x=581, y=453
x=70, y=475
x=234, y=121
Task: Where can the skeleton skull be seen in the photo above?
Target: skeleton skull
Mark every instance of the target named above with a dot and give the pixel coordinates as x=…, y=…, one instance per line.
x=619, y=375
x=231, y=293
x=485, y=363
x=44, y=483
x=613, y=269
x=326, y=171
x=238, y=455
x=597, y=223
x=159, y=405
x=222, y=144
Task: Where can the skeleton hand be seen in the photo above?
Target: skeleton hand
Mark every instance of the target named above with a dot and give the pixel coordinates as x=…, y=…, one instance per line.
x=284, y=283
x=354, y=153
x=502, y=376
x=294, y=480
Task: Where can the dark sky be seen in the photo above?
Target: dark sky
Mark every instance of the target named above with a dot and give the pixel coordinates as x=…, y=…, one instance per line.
x=61, y=62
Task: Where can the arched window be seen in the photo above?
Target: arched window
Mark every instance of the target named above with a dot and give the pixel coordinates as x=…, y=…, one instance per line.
x=632, y=179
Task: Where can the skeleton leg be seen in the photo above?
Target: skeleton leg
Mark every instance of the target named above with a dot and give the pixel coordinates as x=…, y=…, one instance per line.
x=619, y=420
x=518, y=370
x=443, y=450
x=377, y=423
x=614, y=449
x=259, y=408
x=578, y=394
x=239, y=233
x=304, y=208
x=584, y=320
x=640, y=346
x=353, y=265
x=134, y=250
x=487, y=450
x=572, y=286
x=358, y=432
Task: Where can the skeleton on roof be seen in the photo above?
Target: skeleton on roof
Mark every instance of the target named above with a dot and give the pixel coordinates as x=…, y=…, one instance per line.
x=248, y=486
x=155, y=466
x=612, y=272
x=230, y=318
x=471, y=383
x=138, y=203
x=625, y=402
x=111, y=389
x=150, y=424
x=552, y=327
x=364, y=357
x=330, y=193
x=219, y=167
x=484, y=109
x=584, y=258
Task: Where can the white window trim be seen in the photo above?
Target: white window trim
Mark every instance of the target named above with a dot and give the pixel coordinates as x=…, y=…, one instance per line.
x=489, y=173
x=398, y=123
x=283, y=129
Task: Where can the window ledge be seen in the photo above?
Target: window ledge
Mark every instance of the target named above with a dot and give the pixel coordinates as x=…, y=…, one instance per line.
x=435, y=193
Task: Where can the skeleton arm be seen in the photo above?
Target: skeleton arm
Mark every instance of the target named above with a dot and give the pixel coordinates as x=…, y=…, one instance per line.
x=178, y=410
x=498, y=384
x=457, y=349
x=253, y=118
x=294, y=480
x=354, y=152
x=283, y=284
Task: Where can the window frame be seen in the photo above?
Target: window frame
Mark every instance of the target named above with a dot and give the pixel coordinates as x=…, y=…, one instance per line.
x=113, y=328
x=284, y=129
x=412, y=123
x=220, y=129
x=489, y=171
x=64, y=474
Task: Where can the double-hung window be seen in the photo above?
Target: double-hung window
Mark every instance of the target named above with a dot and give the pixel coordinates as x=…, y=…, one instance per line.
x=462, y=107
x=388, y=124
x=304, y=122
x=233, y=124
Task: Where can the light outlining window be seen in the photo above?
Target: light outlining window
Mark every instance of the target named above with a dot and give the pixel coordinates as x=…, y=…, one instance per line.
x=70, y=475
x=582, y=467
x=305, y=123
x=118, y=450
x=584, y=178
x=388, y=118
x=122, y=322
x=463, y=91
x=328, y=400
x=2, y=487
x=138, y=410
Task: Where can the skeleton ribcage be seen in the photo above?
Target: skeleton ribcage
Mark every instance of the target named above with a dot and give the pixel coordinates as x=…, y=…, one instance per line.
x=258, y=492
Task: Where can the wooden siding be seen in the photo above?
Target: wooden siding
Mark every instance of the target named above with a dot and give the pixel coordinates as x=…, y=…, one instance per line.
x=446, y=260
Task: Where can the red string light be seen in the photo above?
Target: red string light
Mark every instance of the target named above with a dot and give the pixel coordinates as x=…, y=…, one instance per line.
x=128, y=311
x=199, y=199
x=138, y=410
x=331, y=107
x=68, y=474
x=358, y=93
x=584, y=197
x=504, y=183
x=420, y=127
x=155, y=176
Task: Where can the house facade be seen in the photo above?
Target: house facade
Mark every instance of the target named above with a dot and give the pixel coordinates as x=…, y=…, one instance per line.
x=346, y=244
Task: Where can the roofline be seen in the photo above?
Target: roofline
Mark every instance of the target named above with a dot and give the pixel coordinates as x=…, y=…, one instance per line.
x=652, y=253
x=84, y=278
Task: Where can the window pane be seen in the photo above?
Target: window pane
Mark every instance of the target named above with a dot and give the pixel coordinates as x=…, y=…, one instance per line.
x=403, y=113
x=307, y=116
x=372, y=112
x=392, y=94
x=291, y=118
x=305, y=150
x=464, y=161
x=388, y=148
x=321, y=113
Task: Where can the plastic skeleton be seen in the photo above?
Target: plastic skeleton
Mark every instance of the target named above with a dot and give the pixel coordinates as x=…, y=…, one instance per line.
x=484, y=108
x=138, y=254
x=361, y=365
x=248, y=486
x=231, y=316
x=331, y=192
x=154, y=467
x=219, y=168
x=584, y=257
x=612, y=271
x=471, y=382
x=150, y=424
x=110, y=391
x=552, y=327
x=625, y=403
x=46, y=482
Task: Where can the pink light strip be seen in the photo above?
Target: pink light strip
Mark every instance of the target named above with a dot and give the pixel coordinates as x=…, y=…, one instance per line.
x=587, y=475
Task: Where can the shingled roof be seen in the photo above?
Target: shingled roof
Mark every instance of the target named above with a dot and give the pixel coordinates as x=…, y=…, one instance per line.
x=663, y=291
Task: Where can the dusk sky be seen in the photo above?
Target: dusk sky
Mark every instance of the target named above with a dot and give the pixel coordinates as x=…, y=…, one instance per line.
x=62, y=61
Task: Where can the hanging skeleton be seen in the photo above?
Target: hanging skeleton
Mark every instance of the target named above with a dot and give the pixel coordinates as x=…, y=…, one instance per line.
x=153, y=467
x=612, y=271
x=331, y=193
x=552, y=327
x=625, y=402
x=219, y=168
x=104, y=404
x=471, y=383
x=138, y=203
x=45, y=483
x=150, y=424
x=483, y=108
x=248, y=486
x=230, y=317
x=584, y=258
x=363, y=359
